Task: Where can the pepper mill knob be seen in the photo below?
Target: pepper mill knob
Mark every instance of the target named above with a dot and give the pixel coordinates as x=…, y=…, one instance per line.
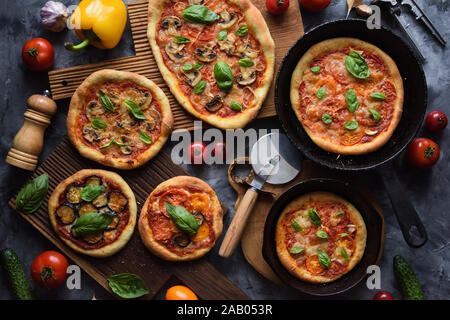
x=28, y=142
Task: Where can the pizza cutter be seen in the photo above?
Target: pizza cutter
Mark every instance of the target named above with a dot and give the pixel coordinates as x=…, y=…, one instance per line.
x=274, y=160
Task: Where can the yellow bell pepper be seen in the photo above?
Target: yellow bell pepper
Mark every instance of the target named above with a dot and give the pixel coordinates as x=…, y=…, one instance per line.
x=99, y=23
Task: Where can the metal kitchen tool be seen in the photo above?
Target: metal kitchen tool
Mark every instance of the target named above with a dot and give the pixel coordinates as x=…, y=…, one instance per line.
x=274, y=160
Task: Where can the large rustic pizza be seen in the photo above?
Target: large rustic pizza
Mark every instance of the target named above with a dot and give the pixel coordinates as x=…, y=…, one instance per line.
x=93, y=212
x=320, y=237
x=181, y=219
x=120, y=119
x=348, y=95
x=216, y=56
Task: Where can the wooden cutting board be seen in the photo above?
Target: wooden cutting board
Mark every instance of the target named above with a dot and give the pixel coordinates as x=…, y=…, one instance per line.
x=158, y=274
x=285, y=30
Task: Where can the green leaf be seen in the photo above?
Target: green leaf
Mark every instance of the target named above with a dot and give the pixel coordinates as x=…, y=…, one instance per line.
x=127, y=285
x=296, y=226
x=324, y=259
x=222, y=35
x=314, y=217
x=357, y=65
x=315, y=70
x=326, y=118
x=344, y=253
x=344, y=235
x=32, y=195
x=242, y=31
x=199, y=14
x=113, y=140
x=296, y=250
x=200, y=87
x=98, y=124
x=351, y=125
x=198, y=65
x=183, y=219
x=322, y=234
x=378, y=96
x=376, y=116
x=180, y=39
x=106, y=102
x=352, y=100
x=321, y=93
x=339, y=213
x=92, y=222
x=145, y=138
x=135, y=110
x=89, y=193
x=187, y=67
x=236, y=106
x=246, y=62
x=224, y=76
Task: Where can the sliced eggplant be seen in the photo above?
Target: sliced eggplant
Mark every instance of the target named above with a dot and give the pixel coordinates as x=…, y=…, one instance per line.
x=206, y=53
x=181, y=240
x=73, y=194
x=117, y=201
x=94, y=181
x=66, y=213
x=173, y=50
x=214, y=104
x=245, y=50
x=94, y=109
x=199, y=217
x=246, y=77
x=113, y=225
x=227, y=19
x=101, y=201
x=93, y=238
x=90, y=134
x=171, y=23
x=86, y=208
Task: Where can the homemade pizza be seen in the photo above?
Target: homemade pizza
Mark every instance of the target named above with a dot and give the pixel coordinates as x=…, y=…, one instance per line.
x=320, y=237
x=216, y=56
x=119, y=119
x=347, y=95
x=93, y=212
x=181, y=219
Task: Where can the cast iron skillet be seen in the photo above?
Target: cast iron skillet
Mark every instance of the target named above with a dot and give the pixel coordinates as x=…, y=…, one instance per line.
x=413, y=80
x=374, y=244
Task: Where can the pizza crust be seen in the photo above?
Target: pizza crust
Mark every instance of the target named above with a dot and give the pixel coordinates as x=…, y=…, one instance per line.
x=335, y=44
x=256, y=23
x=126, y=233
x=76, y=105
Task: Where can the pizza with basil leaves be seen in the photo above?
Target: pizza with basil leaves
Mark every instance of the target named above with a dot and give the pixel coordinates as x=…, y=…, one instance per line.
x=119, y=119
x=181, y=219
x=93, y=212
x=347, y=95
x=320, y=237
x=216, y=56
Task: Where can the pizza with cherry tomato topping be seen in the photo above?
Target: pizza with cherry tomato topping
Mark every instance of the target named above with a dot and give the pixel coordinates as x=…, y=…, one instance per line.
x=181, y=219
x=93, y=212
x=320, y=237
x=347, y=95
x=119, y=119
x=216, y=56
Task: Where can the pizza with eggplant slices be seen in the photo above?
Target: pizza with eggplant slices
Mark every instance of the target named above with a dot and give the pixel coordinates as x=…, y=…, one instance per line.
x=216, y=56
x=181, y=219
x=119, y=119
x=347, y=95
x=320, y=237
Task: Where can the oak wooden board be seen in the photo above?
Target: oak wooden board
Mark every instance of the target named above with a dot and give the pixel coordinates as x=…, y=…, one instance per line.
x=285, y=30
x=199, y=275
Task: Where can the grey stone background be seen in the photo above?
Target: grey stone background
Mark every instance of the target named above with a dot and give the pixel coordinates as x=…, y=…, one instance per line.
x=428, y=190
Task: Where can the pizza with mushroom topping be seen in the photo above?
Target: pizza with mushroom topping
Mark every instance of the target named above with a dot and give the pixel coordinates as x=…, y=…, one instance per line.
x=181, y=219
x=93, y=212
x=119, y=119
x=216, y=56
x=320, y=237
x=347, y=95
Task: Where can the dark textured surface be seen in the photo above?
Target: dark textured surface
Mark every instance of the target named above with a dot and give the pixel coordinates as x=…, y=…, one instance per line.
x=428, y=190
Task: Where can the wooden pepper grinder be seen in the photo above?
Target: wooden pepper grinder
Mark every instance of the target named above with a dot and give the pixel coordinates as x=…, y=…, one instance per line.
x=28, y=142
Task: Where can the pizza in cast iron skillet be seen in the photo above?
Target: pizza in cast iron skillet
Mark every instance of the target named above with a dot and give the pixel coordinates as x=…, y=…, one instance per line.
x=216, y=56
x=347, y=95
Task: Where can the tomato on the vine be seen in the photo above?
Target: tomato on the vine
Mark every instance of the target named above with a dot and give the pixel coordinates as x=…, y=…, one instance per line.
x=436, y=121
x=383, y=295
x=277, y=6
x=38, y=54
x=49, y=269
x=315, y=5
x=422, y=153
x=198, y=152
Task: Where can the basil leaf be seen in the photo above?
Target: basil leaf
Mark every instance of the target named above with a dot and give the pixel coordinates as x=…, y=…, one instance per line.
x=322, y=234
x=145, y=138
x=314, y=217
x=352, y=100
x=339, y=213
x=183, y=219
x=224, y=76
x=246, y=62
x=198, y=65
x=344, y=253
x=357, y=65
x=242, y=31
x=344, y=235
x=324, y=259
x=98, y=124
x=134, y=108
x=113, y=140
x=92, y=222
x=200, y=87
x=321, y=93
x=376, y=116
x=296, y=226
x=315, y=70
x=351, y=125
x=187, y=67
x=180, y=39
x=236, y=106
x=326, y=118
x=222, y=35
x=378, y=96
x=106, y=102
x=32, y=195
x=296, y=250
x=199, y=14
x=127, y=285
x=89, y=193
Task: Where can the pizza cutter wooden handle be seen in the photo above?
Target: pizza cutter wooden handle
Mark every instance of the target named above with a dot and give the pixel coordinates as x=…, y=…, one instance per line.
x=238, y=223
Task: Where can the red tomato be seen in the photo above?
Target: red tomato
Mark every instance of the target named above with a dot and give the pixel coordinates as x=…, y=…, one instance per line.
x=383, y=295
x=197, y=152
x=277, y=6
x=436, y=121
x=49, y=269
x=38, y=54
x=219, y=150
x=315, y=5
x=180, y=293
x=422, y=153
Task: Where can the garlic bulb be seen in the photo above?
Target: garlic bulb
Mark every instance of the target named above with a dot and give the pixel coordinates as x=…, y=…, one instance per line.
x=54, y=16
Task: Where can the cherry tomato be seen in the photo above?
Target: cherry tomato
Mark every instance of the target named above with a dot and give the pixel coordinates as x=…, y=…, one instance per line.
x=180, y=293
x=315, y=5
x=197, y=152
x=383, y=295
x=436, y=121
x=422, y=153
x=38, y=54
x=277, y=6
x=49, y=269
x=219, y=150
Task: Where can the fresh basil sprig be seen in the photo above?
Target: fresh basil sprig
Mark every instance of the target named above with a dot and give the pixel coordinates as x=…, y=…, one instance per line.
x=296, y=250
x=106, y=102
x=246, y=62
x=357, y=65
x=378, y=96
x=242, y=31
x=113, y=140
x=296, y=226
x=322, y=234
x=314, y=217
x=127, y=285
x=321, y=93
x=352, y=100
x=92, y=222
x=32, y=195
x=189, y=67
x=199, y=14
x=183, y=219
x=324, y=259
x=180, y=39
x=200, y=87
x=344, y=253
x=375, y=114
x=236, y=106
x=326, y=118
x=98, y=124
x=224, y=76
x=351, y=125
x=222, y=35
x=315, y=70
x=198, y=65
x=135, y=110
x=89, y=193
x=145, y=138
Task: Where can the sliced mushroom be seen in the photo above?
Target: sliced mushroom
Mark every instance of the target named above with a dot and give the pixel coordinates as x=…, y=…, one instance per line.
x=171, y=23
x=94, y=181
x=199, y=217
x=245, y=50
x=90, y=134
x=227, y=45
x=181, y=240
x=94, y=109
x=66, y=213
x=86, y=208
x=126, y=150
x=155, y=114
x=73, y=194
x=246, y=77
x=101, y=200
x=214, y=104
x=206, y=53
x=126, y=122
x=115, y=98
x=192, y=77
x=227, y=19
x=142, y=98
x=191, y=2
x=173, y=51
x=150, y=124
x=93, y=238
x=117, y=201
